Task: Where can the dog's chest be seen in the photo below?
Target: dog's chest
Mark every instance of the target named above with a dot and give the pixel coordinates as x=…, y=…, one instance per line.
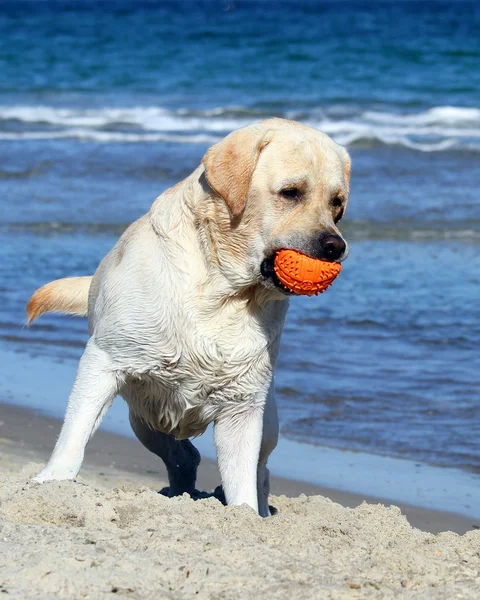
x=183, y=387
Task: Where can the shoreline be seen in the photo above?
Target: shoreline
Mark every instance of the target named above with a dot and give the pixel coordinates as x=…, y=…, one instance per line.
x=344, y=474
x=27, y=436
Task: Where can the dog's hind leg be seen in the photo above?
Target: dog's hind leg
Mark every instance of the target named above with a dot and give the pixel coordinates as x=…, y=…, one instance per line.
x=181, y=458
x=95, y=387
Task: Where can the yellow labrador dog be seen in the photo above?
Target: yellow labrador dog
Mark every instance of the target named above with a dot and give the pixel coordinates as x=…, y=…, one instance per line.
x=185, y=313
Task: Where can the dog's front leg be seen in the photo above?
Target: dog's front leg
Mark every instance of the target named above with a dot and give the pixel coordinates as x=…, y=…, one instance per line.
x=269, y=442
x=237, y=439
x=95, y=387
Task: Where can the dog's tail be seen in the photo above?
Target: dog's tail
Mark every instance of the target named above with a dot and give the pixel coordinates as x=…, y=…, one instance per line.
x=68, y=296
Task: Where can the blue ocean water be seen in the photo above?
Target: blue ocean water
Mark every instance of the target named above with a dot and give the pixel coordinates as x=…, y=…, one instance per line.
x=104, y=105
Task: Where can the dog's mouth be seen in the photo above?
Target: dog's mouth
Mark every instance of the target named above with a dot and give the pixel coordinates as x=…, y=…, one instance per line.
x=267, y=269
x=294, y=273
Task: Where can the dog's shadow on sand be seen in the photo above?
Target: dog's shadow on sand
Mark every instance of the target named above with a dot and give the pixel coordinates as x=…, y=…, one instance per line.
x=217, y=493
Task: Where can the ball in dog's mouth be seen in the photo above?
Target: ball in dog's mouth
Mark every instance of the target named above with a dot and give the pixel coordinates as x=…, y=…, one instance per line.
x=297, y=273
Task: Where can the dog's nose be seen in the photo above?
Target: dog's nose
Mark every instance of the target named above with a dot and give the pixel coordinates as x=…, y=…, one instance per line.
x=333, y=246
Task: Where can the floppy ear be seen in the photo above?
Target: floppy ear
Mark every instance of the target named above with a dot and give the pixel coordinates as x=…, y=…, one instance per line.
x=229, y=166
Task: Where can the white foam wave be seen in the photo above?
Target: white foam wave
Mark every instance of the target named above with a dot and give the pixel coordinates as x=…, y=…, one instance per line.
x=149, y=118
x=433, y=130
x=395, y=140
x=92, y=135
x=439, y=115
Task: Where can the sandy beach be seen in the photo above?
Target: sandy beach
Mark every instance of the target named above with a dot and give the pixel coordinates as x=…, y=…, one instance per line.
x=111, y=532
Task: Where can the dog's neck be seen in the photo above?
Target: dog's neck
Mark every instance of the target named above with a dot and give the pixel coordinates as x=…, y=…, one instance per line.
x=190, y=216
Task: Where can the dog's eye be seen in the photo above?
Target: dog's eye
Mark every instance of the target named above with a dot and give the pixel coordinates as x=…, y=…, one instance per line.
x=292, y=193
x=339, y=209
x=337, y=202
x=338, y=217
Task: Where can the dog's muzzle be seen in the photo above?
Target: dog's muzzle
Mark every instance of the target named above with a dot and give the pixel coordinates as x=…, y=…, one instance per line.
x=326, y=246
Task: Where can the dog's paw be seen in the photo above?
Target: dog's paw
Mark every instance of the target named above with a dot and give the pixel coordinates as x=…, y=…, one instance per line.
x=48, y=475
x=40, y=478
x=196, y=494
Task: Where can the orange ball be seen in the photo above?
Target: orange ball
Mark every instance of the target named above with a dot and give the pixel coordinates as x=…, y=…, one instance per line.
x=304, y=275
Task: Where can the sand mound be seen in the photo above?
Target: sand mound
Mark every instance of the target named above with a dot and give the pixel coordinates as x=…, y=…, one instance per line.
x=82, y=540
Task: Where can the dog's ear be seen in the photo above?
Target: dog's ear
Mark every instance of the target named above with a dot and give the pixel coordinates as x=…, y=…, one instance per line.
x=229, y=166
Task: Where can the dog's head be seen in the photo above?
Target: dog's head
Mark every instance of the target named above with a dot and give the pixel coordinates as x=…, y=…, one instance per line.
x=277, y=185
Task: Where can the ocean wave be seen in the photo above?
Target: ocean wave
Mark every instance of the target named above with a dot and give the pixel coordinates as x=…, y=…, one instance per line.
x=434, y=130
x=148, y=118
x=439, y=115
x=354, y=230
x=93, y=135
